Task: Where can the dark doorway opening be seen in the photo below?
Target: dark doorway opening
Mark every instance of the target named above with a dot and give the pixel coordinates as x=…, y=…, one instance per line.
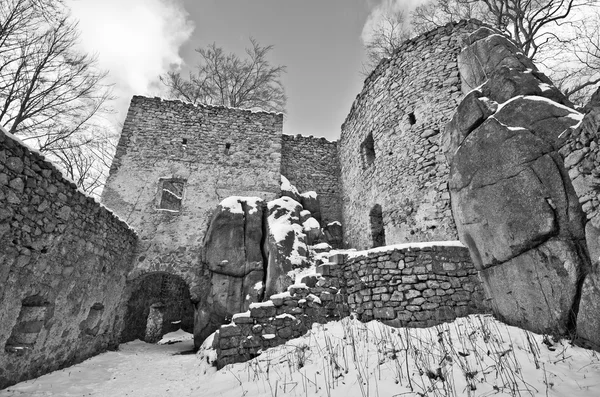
x=159, y=303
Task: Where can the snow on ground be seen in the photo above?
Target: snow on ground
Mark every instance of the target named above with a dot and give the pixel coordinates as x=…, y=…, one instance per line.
x=175, y=337
x=353, y=253
x=472, y=356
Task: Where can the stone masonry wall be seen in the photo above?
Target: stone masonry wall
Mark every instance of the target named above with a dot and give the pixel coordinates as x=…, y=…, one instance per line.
x=212, y=152
x=400, y=286
x=416, y=287
x=63, y=265
x=389, y=151
x=285, y=316
x=312, y=164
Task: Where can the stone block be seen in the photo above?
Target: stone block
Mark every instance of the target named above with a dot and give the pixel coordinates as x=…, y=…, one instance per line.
x=384, y=313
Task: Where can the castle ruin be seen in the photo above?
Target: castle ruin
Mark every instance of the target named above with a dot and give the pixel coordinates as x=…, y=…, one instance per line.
x=73, y=271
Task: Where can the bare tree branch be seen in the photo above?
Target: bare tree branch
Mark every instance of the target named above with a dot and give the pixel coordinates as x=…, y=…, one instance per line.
x=558, y=34
x=226, y=79
x=51, y=95
x=386, y=38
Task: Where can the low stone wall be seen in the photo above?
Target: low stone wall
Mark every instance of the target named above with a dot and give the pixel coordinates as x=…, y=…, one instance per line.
x=411, y=286
x=284, y=317
x=63, y=265
x=398, y=285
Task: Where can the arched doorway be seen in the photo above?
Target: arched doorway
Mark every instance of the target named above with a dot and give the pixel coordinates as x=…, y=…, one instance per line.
x=159, y=303
x=377, y=230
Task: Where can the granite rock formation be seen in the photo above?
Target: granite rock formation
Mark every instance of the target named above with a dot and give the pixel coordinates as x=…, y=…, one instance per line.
x=232, y=263
x=512, y=199
x=250, y=251
x=285, y=244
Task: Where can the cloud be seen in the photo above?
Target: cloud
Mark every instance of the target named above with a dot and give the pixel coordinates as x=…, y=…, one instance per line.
x=135, y=40
x=379, y=8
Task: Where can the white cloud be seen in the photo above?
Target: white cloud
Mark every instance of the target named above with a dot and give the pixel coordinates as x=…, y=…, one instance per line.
x=379, y=8
x=135, y=40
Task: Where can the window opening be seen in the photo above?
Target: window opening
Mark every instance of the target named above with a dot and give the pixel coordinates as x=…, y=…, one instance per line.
x=412, y=119
x=227, y=147
x=171, y=194
x=184, y=141
x=368, y=151
x=32, y=317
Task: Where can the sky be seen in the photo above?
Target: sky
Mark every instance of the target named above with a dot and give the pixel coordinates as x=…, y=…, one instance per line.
x=319, y=41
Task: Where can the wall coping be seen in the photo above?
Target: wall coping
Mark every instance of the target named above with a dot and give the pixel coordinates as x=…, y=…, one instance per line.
x=202, y=105
x=37, y=155
x=436, y=245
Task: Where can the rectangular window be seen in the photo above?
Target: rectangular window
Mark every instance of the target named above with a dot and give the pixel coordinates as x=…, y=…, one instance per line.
x=367, y=149
x=171, y=194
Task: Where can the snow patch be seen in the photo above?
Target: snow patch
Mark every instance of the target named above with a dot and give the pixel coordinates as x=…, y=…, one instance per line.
x=315, y=299
x=354, y=254
x=287, y=186
x=256, y=305
x=311, y=223
x=285, y=315
x=280, y=228
x=241, y=315
x=233, y=204
x=321, y=246
x=282, y=295
x=311, y=194
x=175, y=337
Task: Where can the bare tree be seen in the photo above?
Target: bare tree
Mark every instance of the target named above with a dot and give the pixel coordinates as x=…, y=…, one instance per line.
x=436, y=13
x=542, y=29
x=87, y=161
x=51, y=95
x=386, y=38
x=579, y=72
x=225, y=79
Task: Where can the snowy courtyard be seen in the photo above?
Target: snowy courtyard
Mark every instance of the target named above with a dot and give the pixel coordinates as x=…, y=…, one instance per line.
x=476, y=356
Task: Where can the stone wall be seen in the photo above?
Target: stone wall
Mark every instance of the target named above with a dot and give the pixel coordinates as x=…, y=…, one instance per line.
x=63, y=265
x=414, y=287
x=581, y=154
x=285, y=316
x=401, y=286
x=311, y=164
x=175, y=162
x=389, y=151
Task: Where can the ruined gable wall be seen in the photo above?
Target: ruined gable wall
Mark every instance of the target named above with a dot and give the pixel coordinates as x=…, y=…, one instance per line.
x=63, y=265
x=404, y=104
x=226, y=152
x=311, y=164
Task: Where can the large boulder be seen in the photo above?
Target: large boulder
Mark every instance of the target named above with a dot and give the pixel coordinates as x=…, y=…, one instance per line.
x=233, y=263
x=285, y=245
x=312, y=230
x=289, y=190
x=513, y=202
x=310, y=202
x=334, y=234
